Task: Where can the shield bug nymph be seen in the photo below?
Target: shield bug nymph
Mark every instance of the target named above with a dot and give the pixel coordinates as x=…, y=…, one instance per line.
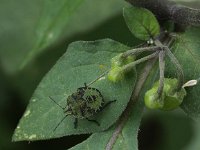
x=84, y=103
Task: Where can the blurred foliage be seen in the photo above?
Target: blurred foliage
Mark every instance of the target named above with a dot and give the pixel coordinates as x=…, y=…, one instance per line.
x=20, y=22
x=26, y=18
x=167, y=131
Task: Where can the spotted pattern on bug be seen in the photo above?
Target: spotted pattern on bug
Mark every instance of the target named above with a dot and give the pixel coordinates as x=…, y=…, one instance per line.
x=84, y=103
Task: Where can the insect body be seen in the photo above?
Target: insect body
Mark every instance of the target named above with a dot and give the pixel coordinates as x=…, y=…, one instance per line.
x=84, y=103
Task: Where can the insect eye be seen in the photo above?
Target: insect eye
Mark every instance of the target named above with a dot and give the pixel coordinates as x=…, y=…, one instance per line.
x=80, y=91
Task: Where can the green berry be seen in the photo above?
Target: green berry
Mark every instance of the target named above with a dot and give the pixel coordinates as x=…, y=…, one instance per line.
x=170, y=98
x=119, y=61
x=116, y=61
x=129, y=59
x=116, y=74
x=152, y=99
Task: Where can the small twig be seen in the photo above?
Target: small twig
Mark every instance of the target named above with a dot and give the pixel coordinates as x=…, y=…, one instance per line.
x=137, y=90
x=178, y=68
x=172, y=38
x=141, y=60
x=144, y=44
x=140, y=50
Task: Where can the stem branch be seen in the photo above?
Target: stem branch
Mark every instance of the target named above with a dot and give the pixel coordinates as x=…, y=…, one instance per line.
x=143, y=59
x=137, y=90
x=140, y=50
x=178, y=68
x=162, y=70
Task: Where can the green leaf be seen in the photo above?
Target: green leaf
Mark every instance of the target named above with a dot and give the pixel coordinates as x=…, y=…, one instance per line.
x=188, y=54
x=61, y=19
x=55, y=16
x=141, y=22
x=17, y=31
x=128, y=137
x=83, y=62
x=22, y=31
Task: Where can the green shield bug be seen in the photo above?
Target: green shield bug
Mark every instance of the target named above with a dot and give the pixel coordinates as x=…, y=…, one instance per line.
x=82, y=104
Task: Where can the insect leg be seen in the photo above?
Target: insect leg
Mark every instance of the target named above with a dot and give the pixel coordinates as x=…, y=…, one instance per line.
x=93, y=121
x=108, y=103
x=75, y=123
x=63, y=108
x=85, y=85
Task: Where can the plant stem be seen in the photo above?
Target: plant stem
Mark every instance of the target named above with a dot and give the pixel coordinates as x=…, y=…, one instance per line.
x=162, y=74
x=140, y=50
x=178, y=68
x=129, y=66
x=137, y=90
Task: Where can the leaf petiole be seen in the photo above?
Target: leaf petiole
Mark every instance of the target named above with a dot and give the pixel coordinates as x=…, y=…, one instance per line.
x=140, y=50
x=162, y=70
x=178, y=68
x=129, y=66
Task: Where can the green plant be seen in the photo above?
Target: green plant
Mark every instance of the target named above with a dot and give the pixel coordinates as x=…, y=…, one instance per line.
x=120, y=72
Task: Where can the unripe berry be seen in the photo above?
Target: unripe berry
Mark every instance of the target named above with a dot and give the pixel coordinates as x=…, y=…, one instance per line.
x=116, y=74
x=170, y=98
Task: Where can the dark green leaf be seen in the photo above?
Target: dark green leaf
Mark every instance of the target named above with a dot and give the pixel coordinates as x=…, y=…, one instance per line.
x=188, y=54
x=83, y=62
x=141, y=22
x=18, y=21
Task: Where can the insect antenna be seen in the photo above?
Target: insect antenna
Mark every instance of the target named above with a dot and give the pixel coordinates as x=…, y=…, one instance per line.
x=56, y=103
x=60, y=122
x=98, y=77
